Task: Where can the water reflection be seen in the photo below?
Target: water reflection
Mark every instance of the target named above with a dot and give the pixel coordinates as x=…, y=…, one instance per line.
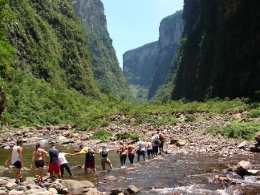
x=178, y=174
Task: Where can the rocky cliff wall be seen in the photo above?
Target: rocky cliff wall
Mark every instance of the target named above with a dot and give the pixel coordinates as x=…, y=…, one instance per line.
x=139, y=64
x=148, y=66
x=107, y=72
x=171, y=29
x=219, y=54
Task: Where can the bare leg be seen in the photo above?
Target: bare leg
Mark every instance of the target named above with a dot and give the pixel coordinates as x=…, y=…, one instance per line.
x=86, y=170
x=18, y=174
x=40, y=170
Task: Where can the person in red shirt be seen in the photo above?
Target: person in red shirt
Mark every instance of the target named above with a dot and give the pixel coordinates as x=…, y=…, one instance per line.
x=54, y=165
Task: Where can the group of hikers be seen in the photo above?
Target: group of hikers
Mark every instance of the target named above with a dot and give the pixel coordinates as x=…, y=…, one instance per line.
x=56, y=161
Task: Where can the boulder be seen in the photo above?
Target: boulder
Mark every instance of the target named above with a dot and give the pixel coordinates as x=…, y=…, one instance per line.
x=73, y=184
x=3, y=192
x=109, y=178
x=257, y=136
x=181, y=142
x=242, y=144
x=242, y=167
x=132, y=189
x=116, y=191
x=39, y=191
x=16, y=192
x=93, y=191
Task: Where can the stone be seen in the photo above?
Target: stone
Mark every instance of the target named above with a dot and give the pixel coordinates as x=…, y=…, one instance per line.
x=242, y=167
x=242, y=144
x=73, y=184
x=93, y=191
x=257, y=137
x=133, y=189
x=181, y=142
x=16, y=192
x=110, y=178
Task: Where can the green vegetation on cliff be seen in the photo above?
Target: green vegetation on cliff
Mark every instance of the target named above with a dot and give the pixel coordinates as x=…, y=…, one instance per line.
x=50, y=44
x=108, y=74
x=219, y=53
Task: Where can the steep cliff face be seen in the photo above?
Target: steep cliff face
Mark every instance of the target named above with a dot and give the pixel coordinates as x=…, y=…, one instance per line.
x=147, y=67
x=139, y=64
x=219, y=52
x=170, y=30
x=107, y=71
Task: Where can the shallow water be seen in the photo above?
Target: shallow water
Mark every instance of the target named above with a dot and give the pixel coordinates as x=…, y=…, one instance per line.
x=178, y=174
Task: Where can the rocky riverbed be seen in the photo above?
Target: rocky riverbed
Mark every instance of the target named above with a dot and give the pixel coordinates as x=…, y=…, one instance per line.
x=186, y=138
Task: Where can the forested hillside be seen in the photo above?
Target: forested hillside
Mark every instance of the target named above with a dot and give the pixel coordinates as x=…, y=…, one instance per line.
x=45, y=66
x=108, y=74
x=219, y=51
x=50, y=44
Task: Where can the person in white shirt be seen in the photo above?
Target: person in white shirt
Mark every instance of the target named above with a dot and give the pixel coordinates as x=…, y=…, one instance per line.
x=64, y=164
x=16, y=159
x=104, y=156
x=149, y=149
x=142, y=149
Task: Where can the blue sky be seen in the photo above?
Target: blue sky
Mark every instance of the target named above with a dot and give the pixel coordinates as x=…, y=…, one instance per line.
x=134, y=23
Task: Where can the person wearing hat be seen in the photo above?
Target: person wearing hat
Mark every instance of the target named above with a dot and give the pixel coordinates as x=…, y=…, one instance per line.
x=54, y=165
x=37, y=159
x=104, y=156
x=89, y=157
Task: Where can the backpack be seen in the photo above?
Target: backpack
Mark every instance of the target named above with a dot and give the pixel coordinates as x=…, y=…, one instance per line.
x=104, y=153
x=156, y=140
x=90, y=155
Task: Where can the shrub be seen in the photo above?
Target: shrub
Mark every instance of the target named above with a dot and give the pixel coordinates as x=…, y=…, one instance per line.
x=254, y=113
x=101, y=134
x=237, y=130
x=125, y=135
x=190, y=118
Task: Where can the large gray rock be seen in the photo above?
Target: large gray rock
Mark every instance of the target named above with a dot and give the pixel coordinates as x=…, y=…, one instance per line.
x=73, y=184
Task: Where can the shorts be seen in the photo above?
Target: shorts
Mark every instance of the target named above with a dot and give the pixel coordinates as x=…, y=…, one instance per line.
x=142, y=153
x=149, y=151
x=90, y=164
x=18, y=164
x=39, y=163
x=155, y=149
x=54, y=166
x=161, y=145
x=104, y=161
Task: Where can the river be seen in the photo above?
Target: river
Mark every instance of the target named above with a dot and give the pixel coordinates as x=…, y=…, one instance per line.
x=173, y=174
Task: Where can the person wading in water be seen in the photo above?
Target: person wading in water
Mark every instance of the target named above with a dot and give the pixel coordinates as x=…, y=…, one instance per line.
x=38, y=161
x=17, y=160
